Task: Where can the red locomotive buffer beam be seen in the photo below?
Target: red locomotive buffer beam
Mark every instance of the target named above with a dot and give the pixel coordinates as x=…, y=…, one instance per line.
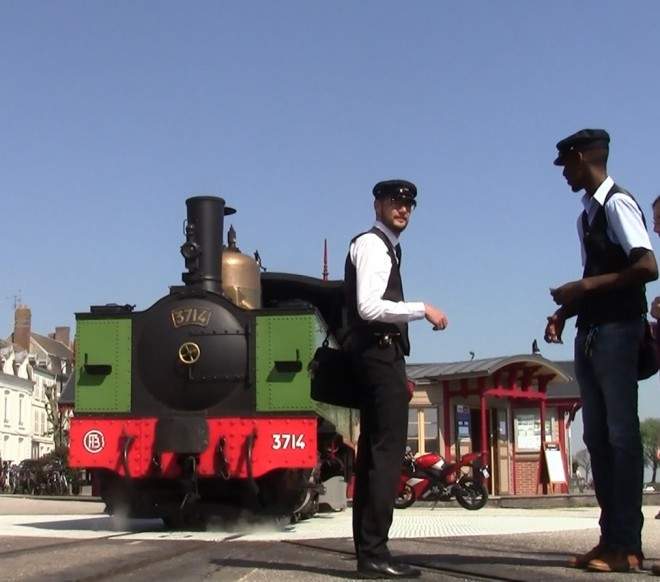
x=98, y=443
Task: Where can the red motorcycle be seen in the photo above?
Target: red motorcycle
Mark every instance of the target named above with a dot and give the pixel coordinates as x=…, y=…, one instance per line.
x=431, y=478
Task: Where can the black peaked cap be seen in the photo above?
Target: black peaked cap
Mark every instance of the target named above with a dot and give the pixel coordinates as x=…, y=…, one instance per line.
x=585, y=139
x=401, y=188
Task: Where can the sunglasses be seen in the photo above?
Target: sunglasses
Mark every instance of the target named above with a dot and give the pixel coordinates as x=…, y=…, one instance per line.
x=402, y=201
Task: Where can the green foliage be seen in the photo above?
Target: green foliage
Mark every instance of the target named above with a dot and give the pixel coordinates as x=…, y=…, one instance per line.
x=650, y=429
x=59, y=455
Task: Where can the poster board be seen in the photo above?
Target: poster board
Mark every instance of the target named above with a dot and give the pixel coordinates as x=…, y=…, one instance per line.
x=462, y=422
x=552, y=459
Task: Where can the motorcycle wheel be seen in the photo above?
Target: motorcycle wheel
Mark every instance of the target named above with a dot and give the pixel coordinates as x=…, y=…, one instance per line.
x=406, y=498
x=472, y=495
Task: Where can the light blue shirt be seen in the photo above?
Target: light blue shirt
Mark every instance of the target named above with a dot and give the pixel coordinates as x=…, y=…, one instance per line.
x=625, y=226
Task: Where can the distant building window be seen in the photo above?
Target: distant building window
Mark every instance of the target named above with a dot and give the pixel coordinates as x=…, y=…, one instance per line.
x=423, y=435
x=6, y=407
x=413, y=430
x=431, y=441
x=20, y=410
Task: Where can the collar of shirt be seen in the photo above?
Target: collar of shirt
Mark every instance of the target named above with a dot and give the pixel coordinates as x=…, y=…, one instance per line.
x=388, y=233
x=599, y=196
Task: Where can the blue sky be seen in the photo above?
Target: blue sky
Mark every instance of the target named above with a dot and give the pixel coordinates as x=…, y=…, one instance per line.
x=113, y=113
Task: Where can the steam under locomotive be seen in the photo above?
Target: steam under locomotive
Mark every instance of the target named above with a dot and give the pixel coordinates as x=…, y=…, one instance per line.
x=201, y=403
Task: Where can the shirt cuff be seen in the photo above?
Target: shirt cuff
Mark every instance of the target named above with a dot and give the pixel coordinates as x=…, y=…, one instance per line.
x=417, y=309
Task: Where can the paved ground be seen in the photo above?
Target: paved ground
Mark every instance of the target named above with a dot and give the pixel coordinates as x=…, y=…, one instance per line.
x=410, y=523
x=73, y=540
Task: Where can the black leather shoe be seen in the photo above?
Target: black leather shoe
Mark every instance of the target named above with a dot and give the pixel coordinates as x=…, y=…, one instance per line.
x=375, y=569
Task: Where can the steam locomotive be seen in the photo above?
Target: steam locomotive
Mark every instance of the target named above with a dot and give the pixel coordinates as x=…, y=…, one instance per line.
x=201, y=403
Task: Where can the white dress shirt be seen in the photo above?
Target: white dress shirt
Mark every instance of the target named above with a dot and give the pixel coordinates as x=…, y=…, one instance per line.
x=373, y=266
x=625, y=226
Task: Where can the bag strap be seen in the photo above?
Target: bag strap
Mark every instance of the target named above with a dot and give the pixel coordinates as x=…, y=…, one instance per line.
x=325, y=342
x=330, y=332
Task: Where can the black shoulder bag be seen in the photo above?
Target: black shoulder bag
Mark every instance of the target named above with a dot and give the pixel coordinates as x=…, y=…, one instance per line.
x=332, y=378
x=647, y=359
x=647, y=362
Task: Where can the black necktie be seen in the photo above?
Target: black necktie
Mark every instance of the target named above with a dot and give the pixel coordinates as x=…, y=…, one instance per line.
x=397, y=250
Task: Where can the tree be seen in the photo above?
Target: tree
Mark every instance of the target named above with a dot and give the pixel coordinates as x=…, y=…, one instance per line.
x=583, y=460
x=650, y=429
x=57, y=419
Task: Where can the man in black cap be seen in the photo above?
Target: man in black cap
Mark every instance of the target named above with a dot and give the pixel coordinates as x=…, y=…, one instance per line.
x=610, y=304
x=378, y=342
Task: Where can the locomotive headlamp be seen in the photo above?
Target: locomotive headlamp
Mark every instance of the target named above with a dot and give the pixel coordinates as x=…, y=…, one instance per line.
x=190, y=250
x=189, y=353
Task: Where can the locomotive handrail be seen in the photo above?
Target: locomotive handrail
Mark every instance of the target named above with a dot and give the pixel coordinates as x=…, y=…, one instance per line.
x=128, y=441
x=252, y=484
x=221, y=459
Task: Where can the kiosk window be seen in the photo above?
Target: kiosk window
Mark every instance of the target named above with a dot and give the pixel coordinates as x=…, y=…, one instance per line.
x=527, y=428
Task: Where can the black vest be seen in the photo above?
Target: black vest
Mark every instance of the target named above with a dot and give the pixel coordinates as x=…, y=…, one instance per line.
x=603, y=256
x=368, y=332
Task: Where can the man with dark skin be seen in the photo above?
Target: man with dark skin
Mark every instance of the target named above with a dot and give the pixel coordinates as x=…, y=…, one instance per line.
x=610, y=304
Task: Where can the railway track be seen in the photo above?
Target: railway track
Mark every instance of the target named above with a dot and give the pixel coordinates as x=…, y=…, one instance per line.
x=428, y=572
x=34, y=550
x=226, y=559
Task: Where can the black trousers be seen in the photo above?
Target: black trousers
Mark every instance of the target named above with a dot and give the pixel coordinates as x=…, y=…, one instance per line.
x=381, y=446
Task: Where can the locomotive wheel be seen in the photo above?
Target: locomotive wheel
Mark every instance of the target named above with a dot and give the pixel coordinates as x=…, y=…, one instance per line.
x=471, y=494
x=189, y=521
x=289, y=493
x=116, y=495
x=406, y=498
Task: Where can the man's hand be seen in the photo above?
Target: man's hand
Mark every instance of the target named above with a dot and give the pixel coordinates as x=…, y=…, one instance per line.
x=569, y=292
x=555, y=327
x=655, y=308
x=436, y=317
x=572, y=413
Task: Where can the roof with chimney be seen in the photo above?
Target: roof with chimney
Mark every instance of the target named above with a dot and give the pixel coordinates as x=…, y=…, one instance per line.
x=8, y=346
x=52, y=347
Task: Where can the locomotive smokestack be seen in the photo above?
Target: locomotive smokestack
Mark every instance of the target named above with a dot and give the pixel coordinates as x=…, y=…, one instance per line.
x=202, y=250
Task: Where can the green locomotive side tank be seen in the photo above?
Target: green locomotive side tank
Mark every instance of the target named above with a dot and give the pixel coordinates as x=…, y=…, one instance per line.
x=286, y=343
x=104, y=361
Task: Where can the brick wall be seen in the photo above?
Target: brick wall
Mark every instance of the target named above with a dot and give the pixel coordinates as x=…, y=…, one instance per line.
x=527, y=473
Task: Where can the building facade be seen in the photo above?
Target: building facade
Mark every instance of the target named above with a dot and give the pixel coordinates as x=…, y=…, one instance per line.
x=16, y=394
x=33, y=370
x=512, y=409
